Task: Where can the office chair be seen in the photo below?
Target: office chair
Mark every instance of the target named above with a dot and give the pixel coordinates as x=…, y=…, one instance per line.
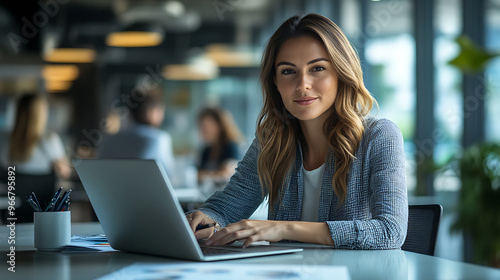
x=423, y=225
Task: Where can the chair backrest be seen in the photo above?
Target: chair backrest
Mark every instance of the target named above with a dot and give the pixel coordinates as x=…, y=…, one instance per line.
x=423, y=225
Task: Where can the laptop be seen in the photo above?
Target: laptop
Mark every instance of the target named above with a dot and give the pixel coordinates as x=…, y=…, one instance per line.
x=139, y=212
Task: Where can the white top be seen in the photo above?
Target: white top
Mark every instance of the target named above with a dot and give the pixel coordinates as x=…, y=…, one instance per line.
x=312, y=192
x=49, y=149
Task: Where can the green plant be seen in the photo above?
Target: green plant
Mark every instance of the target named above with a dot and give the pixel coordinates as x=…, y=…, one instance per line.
x=471, y=57
x=479, y=204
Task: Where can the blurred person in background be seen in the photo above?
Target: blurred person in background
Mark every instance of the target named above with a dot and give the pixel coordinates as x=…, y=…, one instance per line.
x=142, y=138
x=221, y=153
x=37, y=155
x=31, y=148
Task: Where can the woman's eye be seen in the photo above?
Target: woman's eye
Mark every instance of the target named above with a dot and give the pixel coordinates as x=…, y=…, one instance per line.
x=318, y=68
x=287, y=71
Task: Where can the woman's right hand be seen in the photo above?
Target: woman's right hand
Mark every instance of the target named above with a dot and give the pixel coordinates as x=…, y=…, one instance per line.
x=199, y=218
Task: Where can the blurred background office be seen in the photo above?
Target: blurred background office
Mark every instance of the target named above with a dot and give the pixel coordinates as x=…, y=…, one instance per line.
x=432, y=65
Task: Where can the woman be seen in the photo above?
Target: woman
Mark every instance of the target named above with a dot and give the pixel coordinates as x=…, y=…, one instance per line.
x=31, y=149
x=219, y=157
x=333, y=176
x=38, y=156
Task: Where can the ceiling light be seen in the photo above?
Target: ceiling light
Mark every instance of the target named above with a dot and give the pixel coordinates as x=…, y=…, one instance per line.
x=136, y=35
x=227, y=56
x=70, y=55
x=52, y=86
x=174, y=8
x=197, y=70
x=60, y=72
x=133, y=39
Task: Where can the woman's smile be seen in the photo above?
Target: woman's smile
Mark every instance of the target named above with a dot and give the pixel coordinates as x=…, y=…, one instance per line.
x=304, y=101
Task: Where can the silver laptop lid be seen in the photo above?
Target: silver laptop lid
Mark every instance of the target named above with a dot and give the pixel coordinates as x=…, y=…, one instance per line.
x=134, y=202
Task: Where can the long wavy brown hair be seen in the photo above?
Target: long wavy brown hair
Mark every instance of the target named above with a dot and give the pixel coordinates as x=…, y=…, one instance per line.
x=279, y=132
x=31, y=118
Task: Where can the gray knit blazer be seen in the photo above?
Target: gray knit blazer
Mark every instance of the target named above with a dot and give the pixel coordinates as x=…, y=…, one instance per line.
x=374, y=214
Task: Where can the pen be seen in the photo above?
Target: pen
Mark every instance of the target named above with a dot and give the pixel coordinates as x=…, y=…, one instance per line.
x=53, y=200
x=65, y=198
x=62, y=205
x=36, y=201
x=31, y=203
x=199, y=227
x=39, y=209
x=66, y=206
x=36, y=204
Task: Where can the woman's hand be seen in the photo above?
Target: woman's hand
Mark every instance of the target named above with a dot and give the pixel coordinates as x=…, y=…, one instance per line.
x=260, y=230
x=250, y=231
x=197, y=218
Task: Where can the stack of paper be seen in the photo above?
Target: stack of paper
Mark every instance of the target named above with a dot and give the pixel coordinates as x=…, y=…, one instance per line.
x=92, y=243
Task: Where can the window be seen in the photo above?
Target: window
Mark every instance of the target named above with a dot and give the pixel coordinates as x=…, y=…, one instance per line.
x=448, y=110
x=389, y=69
x=492, y=73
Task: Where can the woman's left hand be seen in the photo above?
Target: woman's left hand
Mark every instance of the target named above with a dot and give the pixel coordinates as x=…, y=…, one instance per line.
x=250, y=231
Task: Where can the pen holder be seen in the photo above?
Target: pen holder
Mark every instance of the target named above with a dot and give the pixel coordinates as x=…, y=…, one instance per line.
x=52, y=230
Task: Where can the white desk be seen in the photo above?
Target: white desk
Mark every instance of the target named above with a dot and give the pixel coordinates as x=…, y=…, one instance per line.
x=389, y=264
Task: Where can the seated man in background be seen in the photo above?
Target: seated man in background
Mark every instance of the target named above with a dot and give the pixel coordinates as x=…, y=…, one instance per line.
x=142, y=139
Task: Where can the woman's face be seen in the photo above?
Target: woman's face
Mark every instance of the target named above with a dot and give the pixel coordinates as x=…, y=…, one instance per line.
x=305, y=78
x=209, y=130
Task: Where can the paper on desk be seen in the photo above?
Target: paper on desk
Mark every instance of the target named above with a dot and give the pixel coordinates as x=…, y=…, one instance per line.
x=92, y=243
x=218, y=271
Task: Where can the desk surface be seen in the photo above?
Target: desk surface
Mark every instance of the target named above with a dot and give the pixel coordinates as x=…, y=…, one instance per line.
x=388, y=264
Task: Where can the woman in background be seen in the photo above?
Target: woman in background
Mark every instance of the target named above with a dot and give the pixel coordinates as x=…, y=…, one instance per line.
x=220, y=155
x=31, y=148
x=37, y=155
